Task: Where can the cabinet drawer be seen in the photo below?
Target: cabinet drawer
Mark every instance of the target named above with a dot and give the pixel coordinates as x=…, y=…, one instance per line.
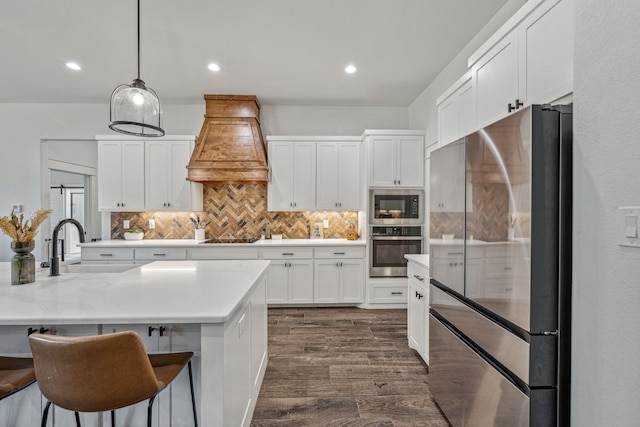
x=223, y=253
x=418, y=274
x=388, y=294
x=111, y=254
x=155, y=254
x=448, y=251
x=340, y=252
x=286, y=253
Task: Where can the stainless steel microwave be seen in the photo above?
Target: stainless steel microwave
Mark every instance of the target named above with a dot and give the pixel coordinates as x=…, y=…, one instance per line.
x=396, y=207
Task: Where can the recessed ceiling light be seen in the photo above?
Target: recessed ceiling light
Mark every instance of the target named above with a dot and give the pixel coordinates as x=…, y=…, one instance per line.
x=213, y=67
x=350, y=69
x=73, y=66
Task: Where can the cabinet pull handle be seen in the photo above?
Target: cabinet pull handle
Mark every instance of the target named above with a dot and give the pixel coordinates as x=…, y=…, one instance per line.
x=397, y=293
x=420, y=296
x=106, y=254
x=455, y=253
x=151, y=329
x=161, y=330
x=507, y=268
x=42, y=330
x=159, y=254
x=287, y=253
x=419, y=277
x=338, y=253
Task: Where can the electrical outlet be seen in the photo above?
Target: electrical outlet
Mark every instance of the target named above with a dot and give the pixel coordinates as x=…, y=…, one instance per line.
x=152, y=224
x=325, y=223
x=125, y=223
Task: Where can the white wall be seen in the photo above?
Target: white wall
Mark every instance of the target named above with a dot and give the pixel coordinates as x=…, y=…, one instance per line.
x=24, y=126
x=422, y=112
x=606, y=285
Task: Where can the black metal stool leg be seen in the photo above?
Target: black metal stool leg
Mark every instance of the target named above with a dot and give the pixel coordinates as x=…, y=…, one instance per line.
x=193, y=397
x=77, y=419
x=113, y=418
x=45, y=414
x=149, y=411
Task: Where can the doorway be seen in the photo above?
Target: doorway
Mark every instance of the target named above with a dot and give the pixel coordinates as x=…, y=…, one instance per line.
x=67, y=200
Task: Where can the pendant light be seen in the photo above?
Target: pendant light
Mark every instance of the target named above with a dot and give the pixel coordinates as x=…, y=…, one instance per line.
x=135, y=108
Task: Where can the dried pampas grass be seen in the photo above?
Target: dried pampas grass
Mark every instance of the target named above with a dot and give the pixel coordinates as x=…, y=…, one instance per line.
x=20, y=230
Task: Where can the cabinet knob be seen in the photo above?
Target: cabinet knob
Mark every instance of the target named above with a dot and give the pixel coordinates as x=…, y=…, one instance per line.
x=150, y=330
x=161, y=330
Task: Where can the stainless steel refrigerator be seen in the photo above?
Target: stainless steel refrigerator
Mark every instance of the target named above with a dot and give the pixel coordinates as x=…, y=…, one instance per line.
x=500, y=250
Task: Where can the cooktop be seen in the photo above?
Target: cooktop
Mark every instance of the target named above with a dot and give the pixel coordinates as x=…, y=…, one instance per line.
x=231, y=240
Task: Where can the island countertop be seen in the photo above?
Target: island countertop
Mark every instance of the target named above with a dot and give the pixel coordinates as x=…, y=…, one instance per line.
x=177, y=291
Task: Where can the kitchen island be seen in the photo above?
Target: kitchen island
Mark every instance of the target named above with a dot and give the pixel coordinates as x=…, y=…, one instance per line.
x=215, y=308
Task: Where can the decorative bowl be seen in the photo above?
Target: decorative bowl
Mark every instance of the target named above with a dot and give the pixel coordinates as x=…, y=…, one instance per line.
x=133, y=236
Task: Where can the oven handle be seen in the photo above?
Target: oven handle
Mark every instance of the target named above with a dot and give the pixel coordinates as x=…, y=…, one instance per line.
x=397, y=238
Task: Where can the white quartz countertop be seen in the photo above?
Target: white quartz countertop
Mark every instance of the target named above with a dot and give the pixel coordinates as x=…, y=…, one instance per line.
x=422, y=260
x=163, y=291
x=190, y=243
x=460, y=242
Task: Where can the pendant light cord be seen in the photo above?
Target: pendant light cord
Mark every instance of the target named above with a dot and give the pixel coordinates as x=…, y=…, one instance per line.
x=138, y=39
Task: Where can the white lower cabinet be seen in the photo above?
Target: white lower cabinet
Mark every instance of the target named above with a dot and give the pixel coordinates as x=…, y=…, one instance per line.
x=17, y=410
x=290, y=275
x=172, y=407
x=339, y=275
x=418, y=310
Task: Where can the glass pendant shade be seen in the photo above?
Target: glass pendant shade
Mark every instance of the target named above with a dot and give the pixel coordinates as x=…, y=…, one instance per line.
x=135, y=110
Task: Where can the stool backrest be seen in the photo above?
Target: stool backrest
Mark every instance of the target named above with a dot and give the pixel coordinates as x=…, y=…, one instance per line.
x=93, y=373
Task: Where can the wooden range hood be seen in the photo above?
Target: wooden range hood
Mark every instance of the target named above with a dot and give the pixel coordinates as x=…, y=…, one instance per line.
x=230, y=147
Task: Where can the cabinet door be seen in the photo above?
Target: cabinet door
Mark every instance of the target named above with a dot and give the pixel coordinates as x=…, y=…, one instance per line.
x=415, y=316
x=237, y=373
x=410, y=161
x=157, y=161
x=382, y=161
x=546, y=54
x=304, y=176
x=278, y=282
x=449, y=120
x=496, y=80
x=351, y=280
x=349, y=193
x=280, y=188
x=327, y=281
x=328, y=161
x=301, y=281
x=179, y=190
x=259, y=356
x=133, y=175
x=109, y=175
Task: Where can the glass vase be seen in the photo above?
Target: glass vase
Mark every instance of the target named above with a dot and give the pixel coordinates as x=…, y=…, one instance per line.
x=23, y=263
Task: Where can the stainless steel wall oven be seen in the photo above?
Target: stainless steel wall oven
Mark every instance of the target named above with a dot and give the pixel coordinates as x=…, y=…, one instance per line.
x=388, y=248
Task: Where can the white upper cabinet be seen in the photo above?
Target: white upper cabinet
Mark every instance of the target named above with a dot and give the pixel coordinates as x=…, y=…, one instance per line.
x=456, y=111
x=338, y=176
x=167, y=188
x=292, y=184
x=314, y=173
x=496, y=81
x=146, y=175
x=547, y=65
x=120, y=175
x=396, y=160
x=528, y=60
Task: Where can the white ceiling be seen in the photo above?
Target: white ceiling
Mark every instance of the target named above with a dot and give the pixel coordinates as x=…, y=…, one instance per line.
x=287, y=52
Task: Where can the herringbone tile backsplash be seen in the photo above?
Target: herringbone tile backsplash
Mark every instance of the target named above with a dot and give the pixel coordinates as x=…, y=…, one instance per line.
x=488, y=220
x=233, y=211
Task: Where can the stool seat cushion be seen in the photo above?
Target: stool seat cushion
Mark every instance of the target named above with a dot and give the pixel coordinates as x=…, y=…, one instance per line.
x=15, y=374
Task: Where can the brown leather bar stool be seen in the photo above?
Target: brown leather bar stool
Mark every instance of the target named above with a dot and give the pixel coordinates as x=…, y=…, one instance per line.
x=103, y=372
x=16, y=373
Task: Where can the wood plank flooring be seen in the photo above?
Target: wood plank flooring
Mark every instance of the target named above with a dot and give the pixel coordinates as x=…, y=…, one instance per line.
x=343, y=367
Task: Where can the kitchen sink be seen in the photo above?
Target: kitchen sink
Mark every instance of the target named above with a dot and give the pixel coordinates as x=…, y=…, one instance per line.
x=96, y=268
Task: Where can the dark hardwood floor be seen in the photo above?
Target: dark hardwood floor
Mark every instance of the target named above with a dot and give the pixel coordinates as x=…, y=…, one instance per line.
x=343, y=367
